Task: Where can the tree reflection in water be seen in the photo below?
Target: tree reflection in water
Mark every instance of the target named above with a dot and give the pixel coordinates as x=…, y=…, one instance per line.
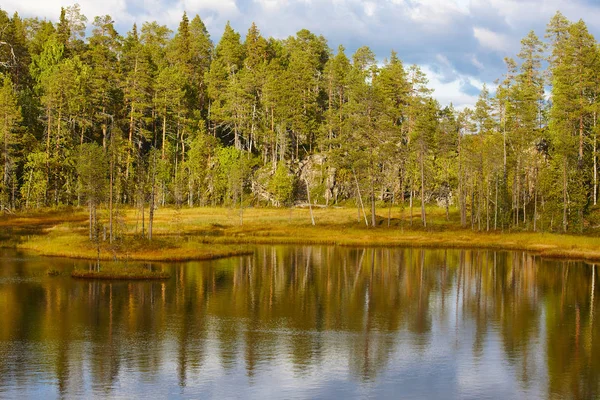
x=459, y=322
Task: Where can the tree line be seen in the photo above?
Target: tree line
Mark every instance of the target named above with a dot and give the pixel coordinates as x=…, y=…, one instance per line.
x=157, y=117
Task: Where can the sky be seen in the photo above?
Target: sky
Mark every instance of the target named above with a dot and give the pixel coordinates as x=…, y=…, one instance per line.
x=460, y=44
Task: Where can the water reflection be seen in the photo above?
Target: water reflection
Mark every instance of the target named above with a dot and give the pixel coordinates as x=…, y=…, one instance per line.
x=306, y=322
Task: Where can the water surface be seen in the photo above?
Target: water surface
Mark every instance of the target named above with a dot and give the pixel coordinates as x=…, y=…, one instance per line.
x=305, y=322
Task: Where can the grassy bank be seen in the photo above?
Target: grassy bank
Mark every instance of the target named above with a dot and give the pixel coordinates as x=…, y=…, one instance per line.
x=73, y=245
x=206, y=233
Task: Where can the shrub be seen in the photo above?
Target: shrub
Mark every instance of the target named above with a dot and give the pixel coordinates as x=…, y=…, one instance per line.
x=282, y=185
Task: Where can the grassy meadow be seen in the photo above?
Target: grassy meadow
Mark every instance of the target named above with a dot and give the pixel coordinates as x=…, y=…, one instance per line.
x=208, y=233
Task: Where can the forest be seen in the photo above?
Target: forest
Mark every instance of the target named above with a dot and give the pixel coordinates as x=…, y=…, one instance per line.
x=93, y=118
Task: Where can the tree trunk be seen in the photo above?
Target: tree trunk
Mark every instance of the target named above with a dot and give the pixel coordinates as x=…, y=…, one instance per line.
x=151, y=205
x=473, y=208
x=517, y=192
x=581, y=134
x=104, y=135
x=58, y=128
x=273, y=140
x=5, y=175
x=525, y=205
x=151, y=215
x=130, y=142
x=90, y=221
x=183, y=146
x=412, y=194
x=164, y=134
x=595, y=188
x=461, y=197
x=110, y=193
x=236, y=137
x=487, y=210
x=312, y=218
x=97, y=238
x=362, y=206
x=372, y=178
x=504, y=146
x=241, y=204
x=593, y=289
x=423, y=215
x=535, y=208
x=143, y=215
x=48, y=133
x=565, y=224
x=357, y=207
x=390, y=208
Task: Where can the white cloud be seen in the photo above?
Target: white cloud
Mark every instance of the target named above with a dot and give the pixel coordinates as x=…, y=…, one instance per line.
x=490, y=40
x=271, y=5
x=476, y=62
x=451, y=92
x=51, y=8
x=432, y=12
x=443, y=60
x=225, y=7
x=370, y=8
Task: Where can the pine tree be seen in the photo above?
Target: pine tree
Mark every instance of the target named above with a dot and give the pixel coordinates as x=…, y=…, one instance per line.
x=10, y=118
x=392, y=81
x=76, y=24
x=571, y=66
x=91, y=171
x=224, y=89
x=365, y=117
x=483, y=168
x=201, y=49
x=104, y=46
x=252, y=80
x=63, y=31
x=307, y=55
x=529, y=98
x=337, y=75
x=137, y=90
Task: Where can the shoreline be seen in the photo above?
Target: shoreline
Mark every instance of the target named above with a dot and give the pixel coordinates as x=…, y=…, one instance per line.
x=208, y=234
x=167, y=255
x=499, y=242
x=425, y=240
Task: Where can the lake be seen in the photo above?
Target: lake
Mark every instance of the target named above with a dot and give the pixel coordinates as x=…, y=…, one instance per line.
x=305, y=322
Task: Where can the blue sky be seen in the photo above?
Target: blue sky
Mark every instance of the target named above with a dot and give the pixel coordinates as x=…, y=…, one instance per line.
x=459, y=43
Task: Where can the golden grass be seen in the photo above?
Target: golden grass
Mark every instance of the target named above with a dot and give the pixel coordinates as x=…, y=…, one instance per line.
x=205, y=233
x=74, y=245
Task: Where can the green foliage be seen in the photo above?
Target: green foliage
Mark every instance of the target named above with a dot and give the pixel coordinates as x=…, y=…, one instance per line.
x=33, y=190
x=282, y=185
x=91, y=171
x=232, y=170
x=198, y=164
x=10, y=118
